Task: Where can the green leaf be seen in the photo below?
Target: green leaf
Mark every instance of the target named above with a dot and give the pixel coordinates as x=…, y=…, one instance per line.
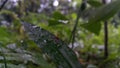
x=53, y=22
x=105, y=12
x=92, y=27
x=94, y=3
x=102, y=13
x=4, y=34
x=58, y=16
x=54, y=47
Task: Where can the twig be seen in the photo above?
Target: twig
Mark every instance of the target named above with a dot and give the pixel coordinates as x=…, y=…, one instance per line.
x=3, y=4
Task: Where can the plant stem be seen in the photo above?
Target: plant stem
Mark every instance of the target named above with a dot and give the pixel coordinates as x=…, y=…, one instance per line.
x=81, y=8
x=105, y=35
x=106, y=39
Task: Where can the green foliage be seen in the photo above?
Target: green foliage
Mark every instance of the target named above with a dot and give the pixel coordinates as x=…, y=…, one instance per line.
x=102, y=13
x=5, y=35
x=57, y=18
x=53, y=46
x=94, y=27
x=94, y=3
x=26, y=54
x=34, y=18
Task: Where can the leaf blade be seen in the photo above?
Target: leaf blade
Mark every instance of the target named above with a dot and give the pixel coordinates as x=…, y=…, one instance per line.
x=102, y=13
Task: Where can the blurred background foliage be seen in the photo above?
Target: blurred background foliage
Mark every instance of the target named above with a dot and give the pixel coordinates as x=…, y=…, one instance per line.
x=58, y=17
